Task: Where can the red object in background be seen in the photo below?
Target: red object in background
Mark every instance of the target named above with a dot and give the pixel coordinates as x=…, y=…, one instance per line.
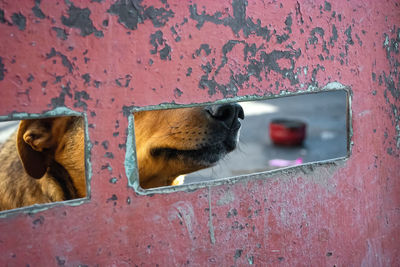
x=287, y=132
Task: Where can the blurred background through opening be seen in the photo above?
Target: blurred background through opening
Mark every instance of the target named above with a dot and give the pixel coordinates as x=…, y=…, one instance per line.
x=325, y=116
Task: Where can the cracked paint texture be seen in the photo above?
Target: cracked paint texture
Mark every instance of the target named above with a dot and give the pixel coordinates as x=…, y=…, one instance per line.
x=104, y=58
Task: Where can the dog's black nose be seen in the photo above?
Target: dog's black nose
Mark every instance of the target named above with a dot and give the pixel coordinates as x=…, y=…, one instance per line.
x=226, y=113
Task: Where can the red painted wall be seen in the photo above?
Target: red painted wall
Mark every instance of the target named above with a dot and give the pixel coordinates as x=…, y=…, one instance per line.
x=103, y=58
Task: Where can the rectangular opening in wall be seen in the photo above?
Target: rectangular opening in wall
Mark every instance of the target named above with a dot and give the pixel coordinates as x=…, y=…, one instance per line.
x=43, y=161
x=203, y=143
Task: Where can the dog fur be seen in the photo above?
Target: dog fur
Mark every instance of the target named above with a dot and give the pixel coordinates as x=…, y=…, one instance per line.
x=45, y=160
x=179, y=141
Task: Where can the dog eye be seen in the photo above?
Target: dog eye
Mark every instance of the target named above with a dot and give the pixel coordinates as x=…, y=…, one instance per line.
x=241, y=139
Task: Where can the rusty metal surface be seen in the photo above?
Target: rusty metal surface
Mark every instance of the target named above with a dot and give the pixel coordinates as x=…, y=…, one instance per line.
x=108, y=58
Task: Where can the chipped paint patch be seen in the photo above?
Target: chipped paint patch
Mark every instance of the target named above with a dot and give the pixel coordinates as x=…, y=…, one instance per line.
x=156, y=40
x=37, y=11
x=3, y=70
x=19, y=20
x=266, y=64
x=64, y=59
x=79, y=18
x=392, y=80
x=184, y=212
x=239, y=21
x=61, y=33
x=132, y=13
x=226, y=198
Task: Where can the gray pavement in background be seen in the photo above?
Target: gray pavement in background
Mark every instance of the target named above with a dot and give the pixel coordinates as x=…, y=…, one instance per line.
x=7, y=128
x=325, y=115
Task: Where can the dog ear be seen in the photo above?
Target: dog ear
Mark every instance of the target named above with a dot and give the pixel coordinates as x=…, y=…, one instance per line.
x=33, y=138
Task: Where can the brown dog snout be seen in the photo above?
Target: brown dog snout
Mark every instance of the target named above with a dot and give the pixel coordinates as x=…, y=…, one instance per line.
x=227, y=114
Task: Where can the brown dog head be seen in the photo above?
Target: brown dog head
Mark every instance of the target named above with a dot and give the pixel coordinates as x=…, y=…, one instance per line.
x=179, y=141
x=41, y=142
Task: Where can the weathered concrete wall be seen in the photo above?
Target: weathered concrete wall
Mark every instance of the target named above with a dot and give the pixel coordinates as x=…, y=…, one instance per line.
x=104, y=58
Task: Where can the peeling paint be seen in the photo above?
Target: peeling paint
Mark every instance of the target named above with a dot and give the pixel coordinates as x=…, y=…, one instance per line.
x=3, y=19
x=19, y=20
x=60, y=100
x=204, y=47
x=348, y=34
x=313, y=39
x=3, y=70
x=86, y=78
x=60, y=261
x=227, y=198
x=157, y=40
x=334, y=37
x=80, y=18
x=79, y=97
x=37, y=11
x=268, y=62
x=238, y=253
x=61, y=33
x=238, y=22
x=327, y=6
x=132, y=13
x=392, y=81
x=177, y=92
x=64, y=59
x=184, y=212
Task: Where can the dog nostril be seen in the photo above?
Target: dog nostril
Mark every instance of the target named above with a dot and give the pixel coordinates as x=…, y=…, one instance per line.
x=226, y=113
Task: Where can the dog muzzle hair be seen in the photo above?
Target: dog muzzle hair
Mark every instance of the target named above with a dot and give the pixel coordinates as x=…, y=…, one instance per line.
x=180, y=141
